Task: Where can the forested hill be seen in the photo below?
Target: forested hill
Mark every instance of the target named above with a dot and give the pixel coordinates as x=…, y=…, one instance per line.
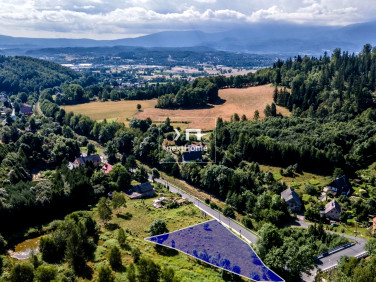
x=27, y=74
x=333, y=120
x=341, y=86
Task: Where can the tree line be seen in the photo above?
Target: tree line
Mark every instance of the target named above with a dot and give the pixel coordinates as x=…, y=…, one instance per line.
x=338, y=87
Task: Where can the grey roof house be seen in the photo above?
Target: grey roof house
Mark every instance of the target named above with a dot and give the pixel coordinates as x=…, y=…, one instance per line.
x=292, y=200
x=340, y=186
x=94, y=159
x=192, y=156
x=144, y=190
x=333, y=210
x=25, y=109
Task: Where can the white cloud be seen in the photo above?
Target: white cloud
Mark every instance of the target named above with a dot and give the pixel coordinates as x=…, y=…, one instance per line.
x=315, y=13
x=119, y=18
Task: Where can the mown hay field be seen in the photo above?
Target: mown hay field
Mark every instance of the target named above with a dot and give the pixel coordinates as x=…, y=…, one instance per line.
x=243, y=101
x=119, y=110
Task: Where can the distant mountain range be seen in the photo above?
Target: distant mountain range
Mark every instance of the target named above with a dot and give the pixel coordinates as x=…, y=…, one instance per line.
x=277, y=38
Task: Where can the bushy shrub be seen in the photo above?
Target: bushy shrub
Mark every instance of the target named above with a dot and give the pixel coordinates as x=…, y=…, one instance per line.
x=247, y=222
x=229, y=212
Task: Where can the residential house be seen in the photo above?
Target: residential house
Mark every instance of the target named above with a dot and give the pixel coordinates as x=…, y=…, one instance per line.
x=192, y=156
x=292, y=200
x=144, y=190
x=333, y=210
x=106, y=168
x=340, y=186
x=25, y=109
x=3, y=110
x=94, y=159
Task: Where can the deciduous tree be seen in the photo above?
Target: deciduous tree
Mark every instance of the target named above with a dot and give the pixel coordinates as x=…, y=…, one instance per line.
x=104, y=210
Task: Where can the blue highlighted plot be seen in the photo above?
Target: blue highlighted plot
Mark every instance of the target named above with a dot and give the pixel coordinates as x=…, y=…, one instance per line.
x=213, y=243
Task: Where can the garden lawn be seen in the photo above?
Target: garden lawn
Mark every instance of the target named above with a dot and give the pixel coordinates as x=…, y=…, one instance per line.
x=300, y=180
x=213, y=243
x=136, y=218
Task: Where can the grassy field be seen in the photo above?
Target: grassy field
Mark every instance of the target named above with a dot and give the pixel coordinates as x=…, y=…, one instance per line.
x=241, y=101
x=110, y=120
x=99, y=150
x=120, y=110
x=300, y=180
x=136, y=218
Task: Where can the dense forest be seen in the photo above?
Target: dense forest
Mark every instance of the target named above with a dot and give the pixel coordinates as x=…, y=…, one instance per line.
x=25, y=74
x=198, y=94
x=340, y=87
x=333, y=115
x=313, y=144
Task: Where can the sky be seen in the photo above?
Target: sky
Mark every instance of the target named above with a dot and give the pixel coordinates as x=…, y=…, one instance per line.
x=112, y=19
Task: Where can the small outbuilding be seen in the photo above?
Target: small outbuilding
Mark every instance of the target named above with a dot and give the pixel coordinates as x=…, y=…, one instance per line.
x=106, y=168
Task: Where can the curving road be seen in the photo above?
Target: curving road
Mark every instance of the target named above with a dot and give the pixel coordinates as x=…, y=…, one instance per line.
x=234, y=226
x=331, y=261
x=352, y=251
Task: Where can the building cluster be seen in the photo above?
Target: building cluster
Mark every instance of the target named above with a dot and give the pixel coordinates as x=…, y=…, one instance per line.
x=94, y=160
x=340, y=186
x=6, y=105
x=141, y=191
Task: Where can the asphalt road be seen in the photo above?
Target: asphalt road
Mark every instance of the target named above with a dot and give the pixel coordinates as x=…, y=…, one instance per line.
x=352, y=251
x=234, y=226
x=332, y=260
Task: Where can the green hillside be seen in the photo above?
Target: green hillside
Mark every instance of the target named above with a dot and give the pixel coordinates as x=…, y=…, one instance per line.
x=25, y=74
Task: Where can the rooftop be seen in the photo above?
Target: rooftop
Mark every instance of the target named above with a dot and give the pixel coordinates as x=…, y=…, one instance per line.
x=91, y=158
x=290, y=194
x=332, y=205
x=192, y=156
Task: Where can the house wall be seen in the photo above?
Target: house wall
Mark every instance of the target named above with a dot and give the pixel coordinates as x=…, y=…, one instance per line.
x=293, y=206
x=333, y=214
